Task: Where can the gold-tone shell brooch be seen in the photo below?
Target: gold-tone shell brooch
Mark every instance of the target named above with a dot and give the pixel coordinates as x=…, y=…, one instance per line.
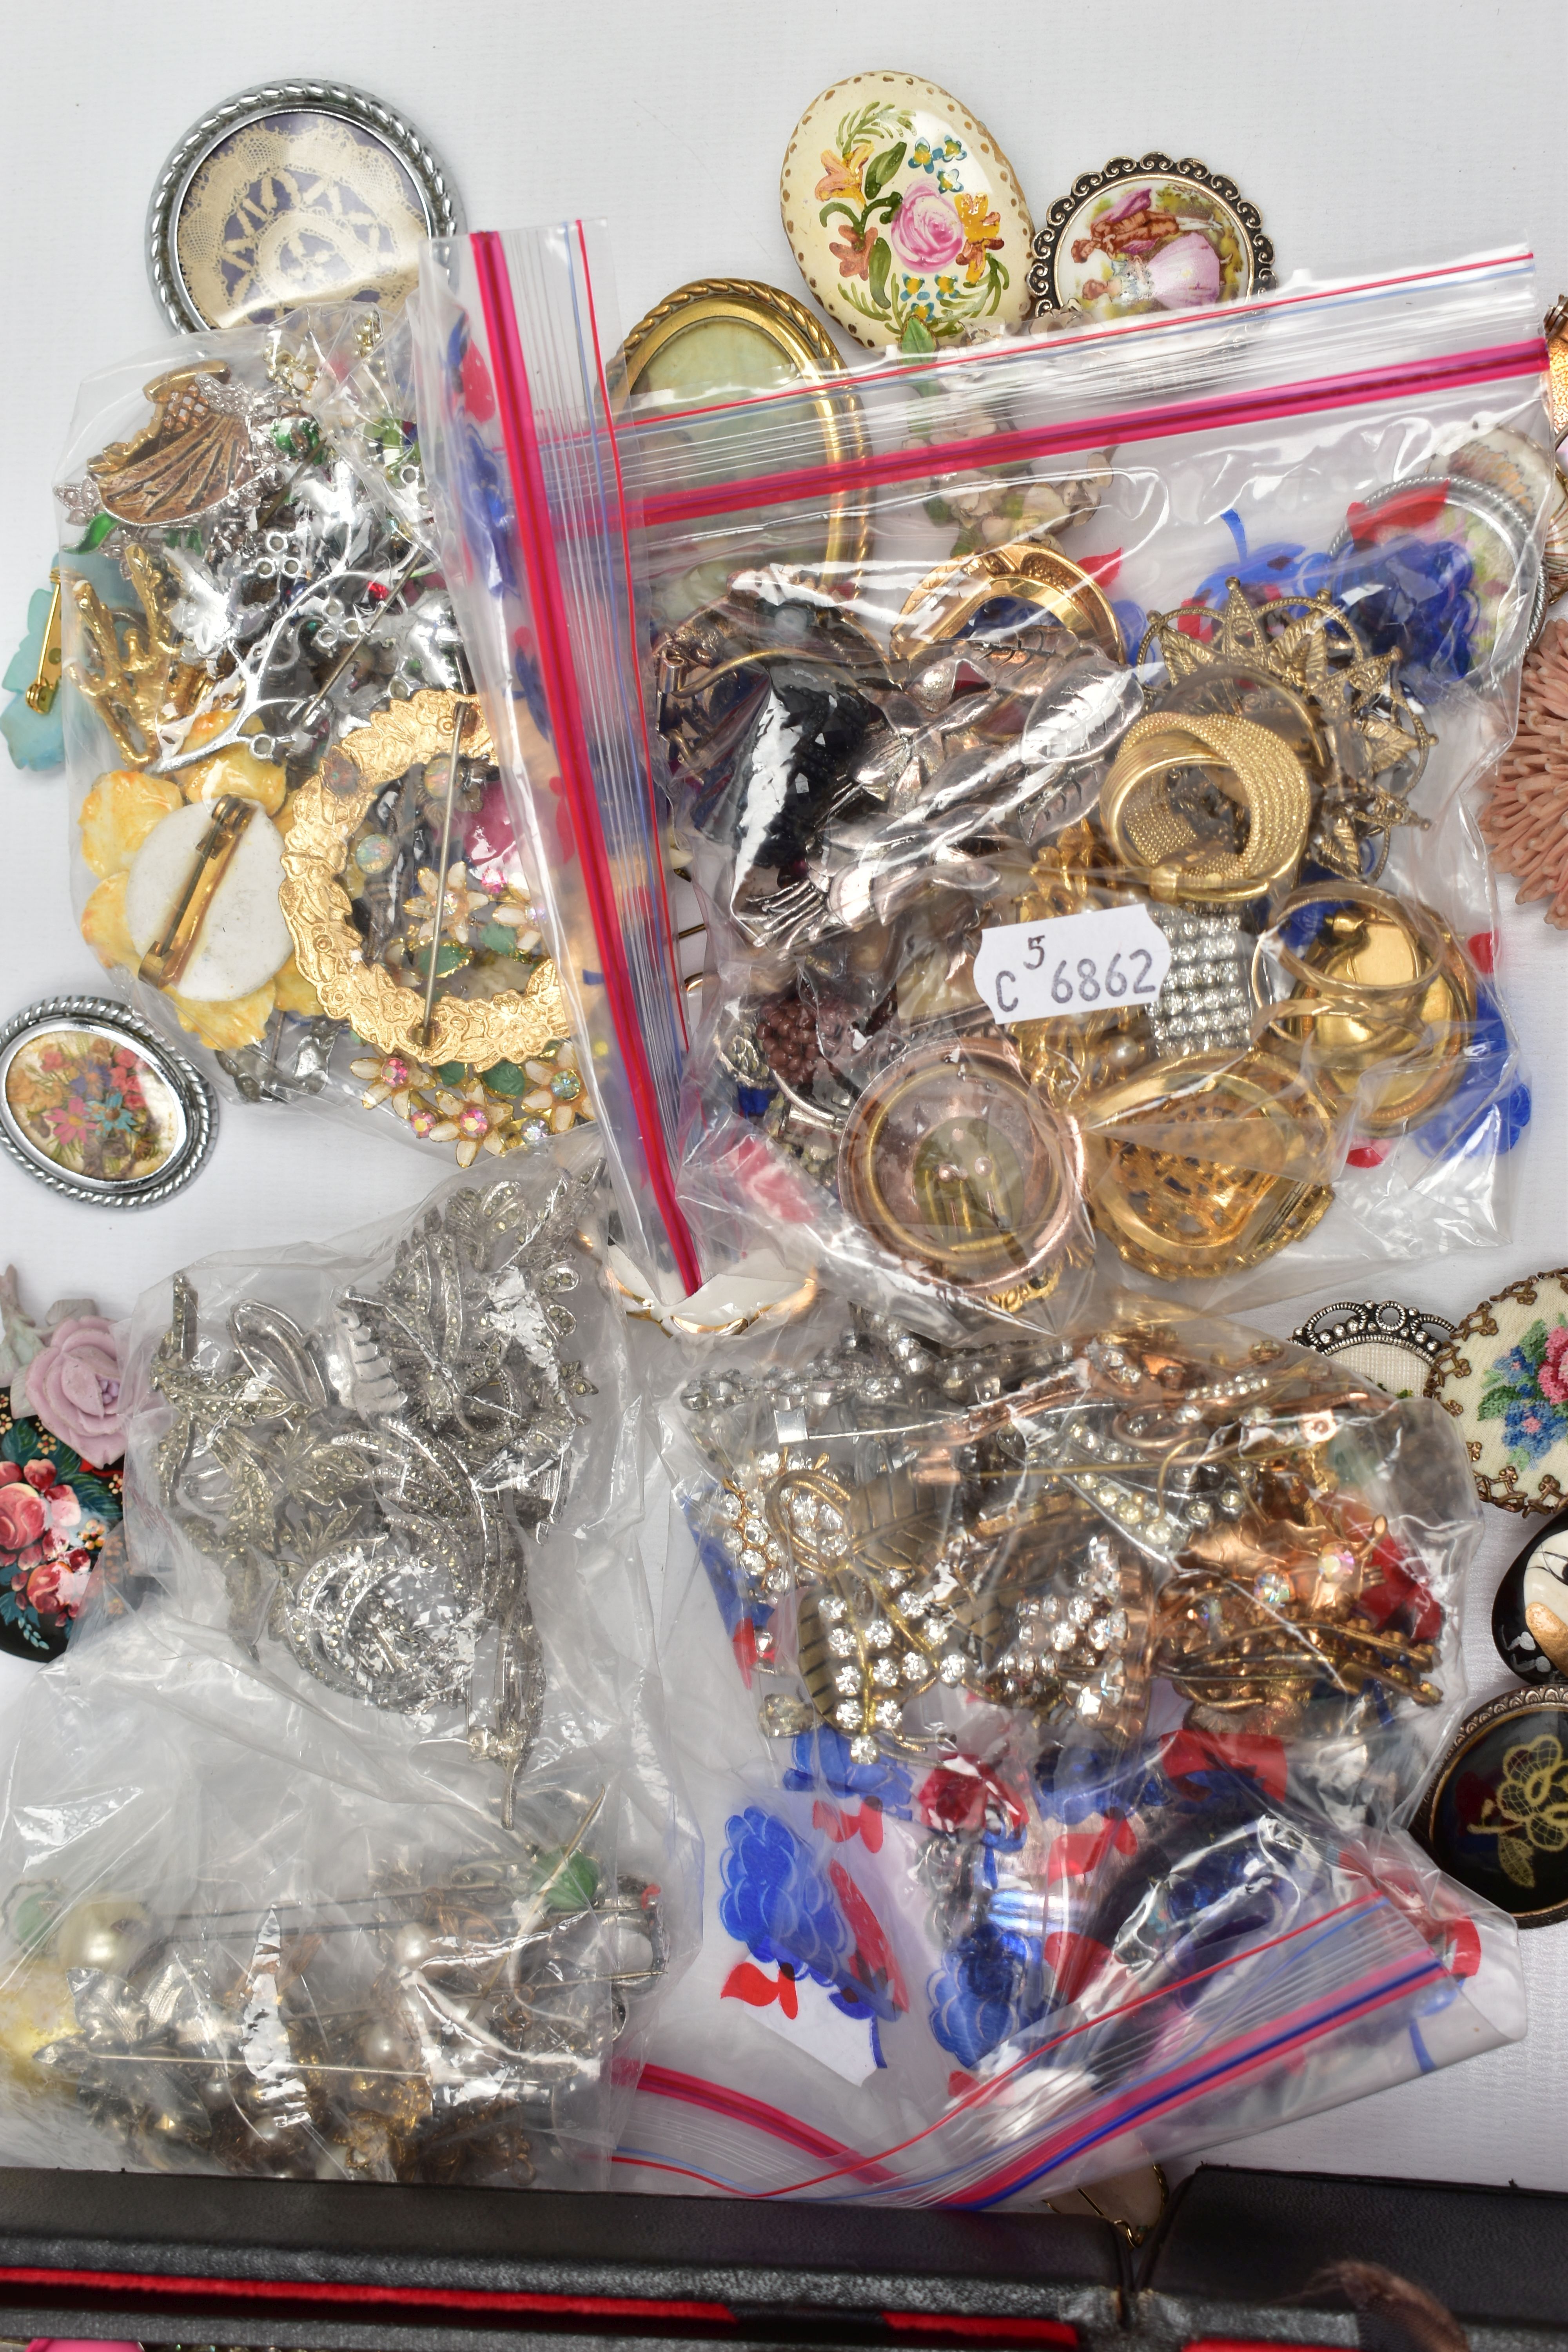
x=381, y=1007
x=197, y=450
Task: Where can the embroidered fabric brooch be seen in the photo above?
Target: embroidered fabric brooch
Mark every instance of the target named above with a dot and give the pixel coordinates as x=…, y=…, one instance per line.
x=1504, y=1378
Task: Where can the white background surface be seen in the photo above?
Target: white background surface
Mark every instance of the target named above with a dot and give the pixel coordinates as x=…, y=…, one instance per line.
x=1372, y=133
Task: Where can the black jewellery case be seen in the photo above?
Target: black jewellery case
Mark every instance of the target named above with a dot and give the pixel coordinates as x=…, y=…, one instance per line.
x=1230, y=2268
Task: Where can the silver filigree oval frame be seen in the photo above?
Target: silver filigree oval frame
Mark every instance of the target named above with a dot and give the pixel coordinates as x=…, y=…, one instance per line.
x=438, y=198
x=1378, y=1335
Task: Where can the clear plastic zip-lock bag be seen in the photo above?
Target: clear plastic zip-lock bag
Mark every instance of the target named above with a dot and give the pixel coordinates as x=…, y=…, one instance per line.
x=515, y=353
x=1094, y=1675
x=292, y=843
x=1073, y=752
x=1073, y=747
x=345, y=1843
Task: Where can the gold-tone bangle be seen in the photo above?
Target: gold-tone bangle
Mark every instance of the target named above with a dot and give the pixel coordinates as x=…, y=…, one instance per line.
x=327, y=808
x=1162, y=1194
x=1031, y=573
x=1347, y=1024
x=1158, y=846
x=988, y=1213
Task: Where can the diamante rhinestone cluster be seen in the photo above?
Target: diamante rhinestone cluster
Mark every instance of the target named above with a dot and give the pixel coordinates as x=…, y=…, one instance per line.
x=1205, y=1003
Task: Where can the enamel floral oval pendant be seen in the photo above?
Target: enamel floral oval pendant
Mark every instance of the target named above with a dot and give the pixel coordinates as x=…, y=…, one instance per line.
x=96, y=1104
x=905, y=217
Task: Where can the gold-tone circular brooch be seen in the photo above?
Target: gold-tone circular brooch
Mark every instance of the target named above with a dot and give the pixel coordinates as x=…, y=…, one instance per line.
x=1302, y=665
x=393, y=1013
x=1209, y=1168
x=1382, y=999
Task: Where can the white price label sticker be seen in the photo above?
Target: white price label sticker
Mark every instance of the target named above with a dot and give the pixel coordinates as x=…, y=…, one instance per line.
x=1098, y=962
